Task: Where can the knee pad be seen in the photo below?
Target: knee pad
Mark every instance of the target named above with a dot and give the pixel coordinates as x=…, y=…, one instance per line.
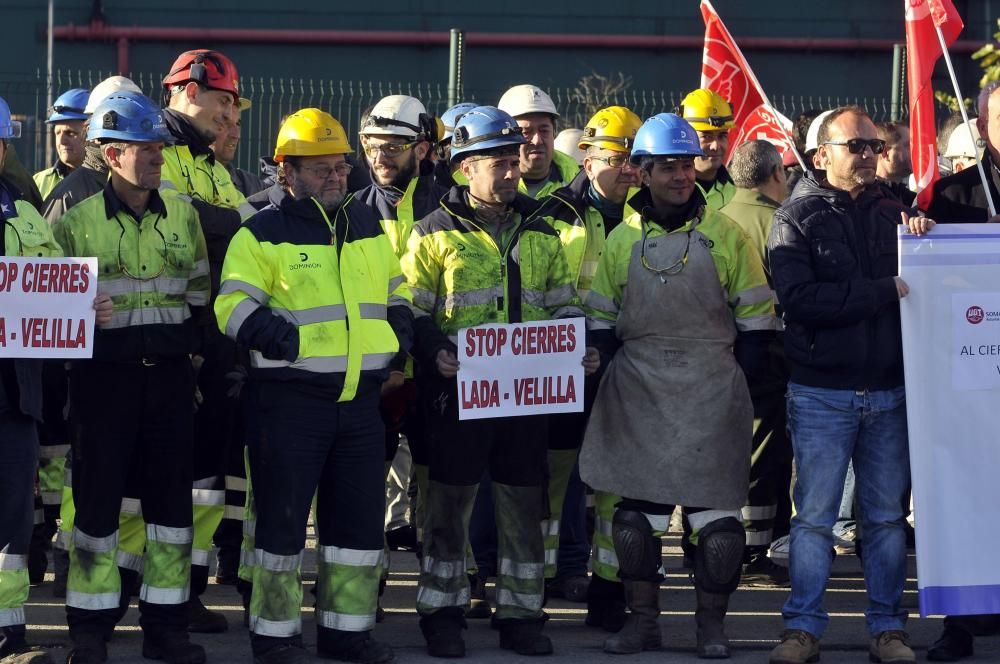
x=719, y=555
x=638, y=551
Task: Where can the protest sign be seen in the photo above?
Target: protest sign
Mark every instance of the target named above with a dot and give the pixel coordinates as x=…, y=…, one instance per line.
x=951, y=348
x=46, y=307
x=521, y=369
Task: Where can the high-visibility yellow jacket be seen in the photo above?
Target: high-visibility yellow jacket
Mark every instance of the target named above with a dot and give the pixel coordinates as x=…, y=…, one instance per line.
x=566, y=168
x=399, y=211
x=316, y=297
x=721, y=191
x=582, y=228
x=736, y=261
x=461, y=276
x=47, y=180
x=155, y=268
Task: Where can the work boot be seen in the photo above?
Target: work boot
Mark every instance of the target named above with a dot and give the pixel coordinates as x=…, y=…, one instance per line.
x=762, y=572
x=797, y=647
x=710, y=616
x=571, y=588
x=60, y=567
x=352, y=647
x=953, y=644
x=172, y=647
x=88, y=649
x=479, y=605
x=605, y=604
x=443, y=632
x=524, y=636
x=202, y=620
x=285, y=654
x=891, y=646
x=641, y=630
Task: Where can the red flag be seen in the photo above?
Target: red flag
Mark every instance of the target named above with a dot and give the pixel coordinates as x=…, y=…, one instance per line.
x=726, y=71
x=923, y=48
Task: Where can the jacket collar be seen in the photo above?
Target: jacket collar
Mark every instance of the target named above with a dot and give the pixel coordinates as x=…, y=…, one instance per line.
x=113, y=204
x=751, y=197
x=185, y=133
x=456, y=203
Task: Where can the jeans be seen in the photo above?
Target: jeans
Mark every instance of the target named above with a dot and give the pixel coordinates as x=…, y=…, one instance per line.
x=574, y=545
x=829, y=428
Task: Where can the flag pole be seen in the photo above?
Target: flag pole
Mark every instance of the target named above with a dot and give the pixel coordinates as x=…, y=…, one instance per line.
x=965, y=118
x=753, y=78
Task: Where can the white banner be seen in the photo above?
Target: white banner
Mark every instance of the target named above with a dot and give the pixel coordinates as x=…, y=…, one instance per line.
x=521, y=369
x=951, y=346
x=46, y=307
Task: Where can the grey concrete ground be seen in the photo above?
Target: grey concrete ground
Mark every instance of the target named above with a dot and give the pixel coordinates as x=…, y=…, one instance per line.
x=754, y=623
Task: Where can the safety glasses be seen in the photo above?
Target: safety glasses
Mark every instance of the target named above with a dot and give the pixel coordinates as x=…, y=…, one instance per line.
x=858, y=145
x=388, y=149
x=670, y=270
x=615, y=161
x=342, y=170
x=123, y=267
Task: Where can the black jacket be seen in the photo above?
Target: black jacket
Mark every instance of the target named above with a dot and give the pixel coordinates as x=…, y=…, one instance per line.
x=20, y=379
x=960, y=197
x=833, y=261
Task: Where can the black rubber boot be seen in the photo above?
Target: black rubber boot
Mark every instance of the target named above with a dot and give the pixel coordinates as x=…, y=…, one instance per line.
x=352, y=647
x=202, y=620
x=443, y=632
x=642, y=629
x=87, y=649
x=173, y=648
x=524, y=636
x=710, y=616
x=605, y=604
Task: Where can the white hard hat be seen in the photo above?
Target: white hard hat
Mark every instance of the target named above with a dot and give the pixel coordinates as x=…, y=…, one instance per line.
x=567, y=141
x=812, y=136
x=961, y=145
x=525, y=99
x=397, y=115
x=108, y=87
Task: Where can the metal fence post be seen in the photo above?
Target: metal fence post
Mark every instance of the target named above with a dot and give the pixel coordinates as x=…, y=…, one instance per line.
x=456, y=55
x=898, y=81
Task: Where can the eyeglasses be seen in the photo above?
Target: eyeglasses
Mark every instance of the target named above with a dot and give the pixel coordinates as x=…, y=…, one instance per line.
x=858, y=145
x=343, y=169
x=388, y=149
x=163, y=254
x=615, y=161
x=670, y=270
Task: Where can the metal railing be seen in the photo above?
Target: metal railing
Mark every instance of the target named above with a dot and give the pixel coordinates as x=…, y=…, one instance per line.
x=273, y=98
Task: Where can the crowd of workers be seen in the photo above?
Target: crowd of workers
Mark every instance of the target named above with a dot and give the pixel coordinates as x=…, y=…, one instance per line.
x=265, y=342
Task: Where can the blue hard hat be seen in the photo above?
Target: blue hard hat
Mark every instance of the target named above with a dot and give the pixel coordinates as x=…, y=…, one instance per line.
x=8, y=128
x=128, y=116
x=482, y=128
x=666, y=135
x=69, y=106
x=450, y=118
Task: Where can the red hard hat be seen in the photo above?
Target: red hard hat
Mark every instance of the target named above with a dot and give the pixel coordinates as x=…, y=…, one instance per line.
x=210, y=68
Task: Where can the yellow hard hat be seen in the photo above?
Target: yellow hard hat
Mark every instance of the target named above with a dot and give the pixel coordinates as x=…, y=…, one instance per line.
x=706, y=110
x=611, y=128
x=310, y=132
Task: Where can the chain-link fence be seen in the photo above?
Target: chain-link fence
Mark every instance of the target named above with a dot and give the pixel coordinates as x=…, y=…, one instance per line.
x=273, y=98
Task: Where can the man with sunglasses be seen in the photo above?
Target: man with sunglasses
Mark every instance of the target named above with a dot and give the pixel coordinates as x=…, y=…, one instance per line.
x=486, y=255
x=202, y=91
x=153, y=263
x=585, y=212
x=712, y=117
x=681, y=310
x=832, y=252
